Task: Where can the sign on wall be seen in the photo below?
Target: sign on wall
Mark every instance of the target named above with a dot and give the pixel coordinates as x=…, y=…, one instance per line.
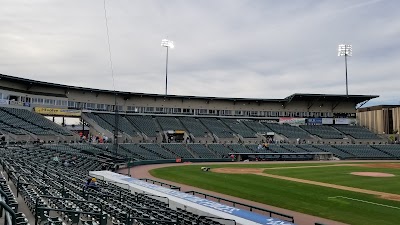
x=314, y=121
x=292, y=121
x=347, y=121
x=57, y=111
x=327, y=120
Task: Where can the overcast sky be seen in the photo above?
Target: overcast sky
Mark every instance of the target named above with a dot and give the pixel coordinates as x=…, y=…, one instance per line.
x=232, y=48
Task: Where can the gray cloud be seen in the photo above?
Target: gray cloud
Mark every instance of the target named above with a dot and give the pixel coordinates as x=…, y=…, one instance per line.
x=260, y=49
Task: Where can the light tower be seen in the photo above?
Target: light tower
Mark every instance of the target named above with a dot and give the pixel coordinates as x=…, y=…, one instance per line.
x=167, y=44
x=345, y=50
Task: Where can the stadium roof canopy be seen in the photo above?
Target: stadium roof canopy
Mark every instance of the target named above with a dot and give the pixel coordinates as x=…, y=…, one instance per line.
x=331, y=97
x=294, y=97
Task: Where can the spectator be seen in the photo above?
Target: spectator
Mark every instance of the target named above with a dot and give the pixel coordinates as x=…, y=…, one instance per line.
x=56, y=159
x=66, y=163
x=91, y=183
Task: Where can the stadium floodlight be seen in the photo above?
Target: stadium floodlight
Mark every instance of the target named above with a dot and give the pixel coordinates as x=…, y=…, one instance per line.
x=345, y=50
x=167, y=44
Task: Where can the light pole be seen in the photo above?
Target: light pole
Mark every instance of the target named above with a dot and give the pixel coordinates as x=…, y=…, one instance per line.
x=345, y=50
x=167, y=44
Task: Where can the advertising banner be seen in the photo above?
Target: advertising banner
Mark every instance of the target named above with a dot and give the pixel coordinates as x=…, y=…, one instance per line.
x=327, y=120
x=57, y=111
x=341, y=121
x=292, y=121
x=314, y=121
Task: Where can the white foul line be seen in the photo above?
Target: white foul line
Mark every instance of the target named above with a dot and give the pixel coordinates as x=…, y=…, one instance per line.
x=354, y=199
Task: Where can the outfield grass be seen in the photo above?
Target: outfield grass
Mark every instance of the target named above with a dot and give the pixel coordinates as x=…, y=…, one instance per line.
x=305, y=198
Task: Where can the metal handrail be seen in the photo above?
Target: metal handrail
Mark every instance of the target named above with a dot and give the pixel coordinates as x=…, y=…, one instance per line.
x=66, y=210
x=10, y=211
x=3, y=194
x=138, y=193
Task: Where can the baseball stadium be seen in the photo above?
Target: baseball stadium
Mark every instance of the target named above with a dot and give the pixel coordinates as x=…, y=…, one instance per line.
x=140, y=158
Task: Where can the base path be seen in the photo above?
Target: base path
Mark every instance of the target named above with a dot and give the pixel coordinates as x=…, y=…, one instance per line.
x=299, y=218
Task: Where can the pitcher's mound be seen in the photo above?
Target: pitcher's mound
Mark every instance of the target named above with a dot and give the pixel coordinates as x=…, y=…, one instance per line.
x=372, y=174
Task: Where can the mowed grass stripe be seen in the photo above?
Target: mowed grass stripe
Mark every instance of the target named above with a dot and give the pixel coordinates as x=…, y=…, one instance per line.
x=278, y=165
x=341, y=176
x=305, y=198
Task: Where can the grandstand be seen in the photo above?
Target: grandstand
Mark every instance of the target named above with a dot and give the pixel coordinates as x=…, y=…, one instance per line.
x=279, y=149
x=140, y=153
x=288, y=130
x=341, y=154
x=123, y=124
x=160, y=152
x=238, y=148
x=219, y=129
x=254, y=148
x=23, y=122
x=65, y=193
x=100, y=121
x=203, y=119
x=220, y=150
x=169, y=123
x=294, y=148
x=209, y=133
x=309, y=148
x=157, y=149
x=195, y=128
x=392, y=150
x=202, y=151
x=214, y=129
x=363, y=151
x=146, y=124
x=356, y=132
x=257, y=126
x=325, y=132
x=27, y=165
x=179, y=150
x=239, y=128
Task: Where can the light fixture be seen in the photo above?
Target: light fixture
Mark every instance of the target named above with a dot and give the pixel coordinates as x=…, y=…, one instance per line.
x=345, y=50
x=167, y=44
